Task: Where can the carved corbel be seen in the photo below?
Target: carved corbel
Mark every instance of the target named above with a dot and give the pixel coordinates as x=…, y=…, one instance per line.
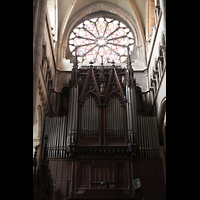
x=39, y=85
x=155, y=72
x=49, y=73
x=160, y=58
x=153, y=81
x=44, y=55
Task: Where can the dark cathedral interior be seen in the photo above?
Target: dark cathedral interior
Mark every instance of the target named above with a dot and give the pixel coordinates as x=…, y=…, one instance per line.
x=100, y=136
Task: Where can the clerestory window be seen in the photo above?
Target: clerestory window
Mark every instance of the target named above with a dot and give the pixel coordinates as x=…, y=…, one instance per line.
x=96, y=37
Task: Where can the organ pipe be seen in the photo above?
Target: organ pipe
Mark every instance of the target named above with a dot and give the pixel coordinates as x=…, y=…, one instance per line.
x=73, y=109
x=90, y=118
x=148, y=136
x=114, y=118
x=55, y=128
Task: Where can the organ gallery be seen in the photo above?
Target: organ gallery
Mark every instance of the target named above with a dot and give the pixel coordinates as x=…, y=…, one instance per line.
x=97, y=132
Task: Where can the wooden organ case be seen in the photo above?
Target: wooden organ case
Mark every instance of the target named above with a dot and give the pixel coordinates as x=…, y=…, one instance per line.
x=96, y=145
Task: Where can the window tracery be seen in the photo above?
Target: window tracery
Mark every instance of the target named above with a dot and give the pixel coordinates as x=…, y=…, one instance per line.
x=101, y=36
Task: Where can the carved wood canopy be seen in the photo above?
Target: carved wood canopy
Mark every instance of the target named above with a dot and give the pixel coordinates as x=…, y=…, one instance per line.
x=102, y=89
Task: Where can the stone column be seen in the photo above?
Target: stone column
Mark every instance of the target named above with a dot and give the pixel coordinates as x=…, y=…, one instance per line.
x=37, y=51
x=163, y=7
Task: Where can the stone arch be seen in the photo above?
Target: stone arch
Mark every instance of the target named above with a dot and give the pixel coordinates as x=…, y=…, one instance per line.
x=132, y=22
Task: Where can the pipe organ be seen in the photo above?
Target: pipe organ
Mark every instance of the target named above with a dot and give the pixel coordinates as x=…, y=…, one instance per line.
x=55, y=129
x=72, y=122
x=147, y=136
x=90, y=118
x=114, y=118
x=97, y=143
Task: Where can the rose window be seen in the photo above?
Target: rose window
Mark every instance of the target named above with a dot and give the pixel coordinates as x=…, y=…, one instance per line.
x=98, y=37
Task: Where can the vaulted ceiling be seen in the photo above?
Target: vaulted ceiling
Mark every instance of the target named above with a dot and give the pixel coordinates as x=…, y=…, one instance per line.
x=60, y=11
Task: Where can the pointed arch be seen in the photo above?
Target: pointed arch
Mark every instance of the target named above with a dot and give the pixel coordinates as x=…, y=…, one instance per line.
x=94, y=91
x=133, y=21
x=117, y=90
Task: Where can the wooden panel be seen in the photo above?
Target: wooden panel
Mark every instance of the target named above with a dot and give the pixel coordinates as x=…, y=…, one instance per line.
x=136, y=172
x=69, y=169
x=150, y=169
x=68, y=188
x=59, y=169
x=160, y=186
x=159, y=170
x=143, y=169
x=58, y=194
x=61, y=173
x=53, y=167
x=152, y=190
x=101, y=171
x=121, y=174
x=64, y=188
x=150, y=172
x=65, y=169
x=144, y=189
x=83, y=174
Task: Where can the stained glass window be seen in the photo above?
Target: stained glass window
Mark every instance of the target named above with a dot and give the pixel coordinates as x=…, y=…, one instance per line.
x=98, y=37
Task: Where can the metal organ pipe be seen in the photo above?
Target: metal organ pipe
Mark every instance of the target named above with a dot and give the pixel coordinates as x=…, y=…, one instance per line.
x=51, y=134
x=148, y=134
x=131, y=112
x=96, y=118
x=52, y=139
x=108, y=118
x=112, y=116
x=69, y=118
x=111, y=110
x=142, y=143
x=156, y=135
x=56, y=135
x=55, y=128
x=117, y=115
x=151, y=137
x=73, y=115
x=90, y=117
x=121, y=121
x=76, y=112
x=127, y=111
x=118, y=127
